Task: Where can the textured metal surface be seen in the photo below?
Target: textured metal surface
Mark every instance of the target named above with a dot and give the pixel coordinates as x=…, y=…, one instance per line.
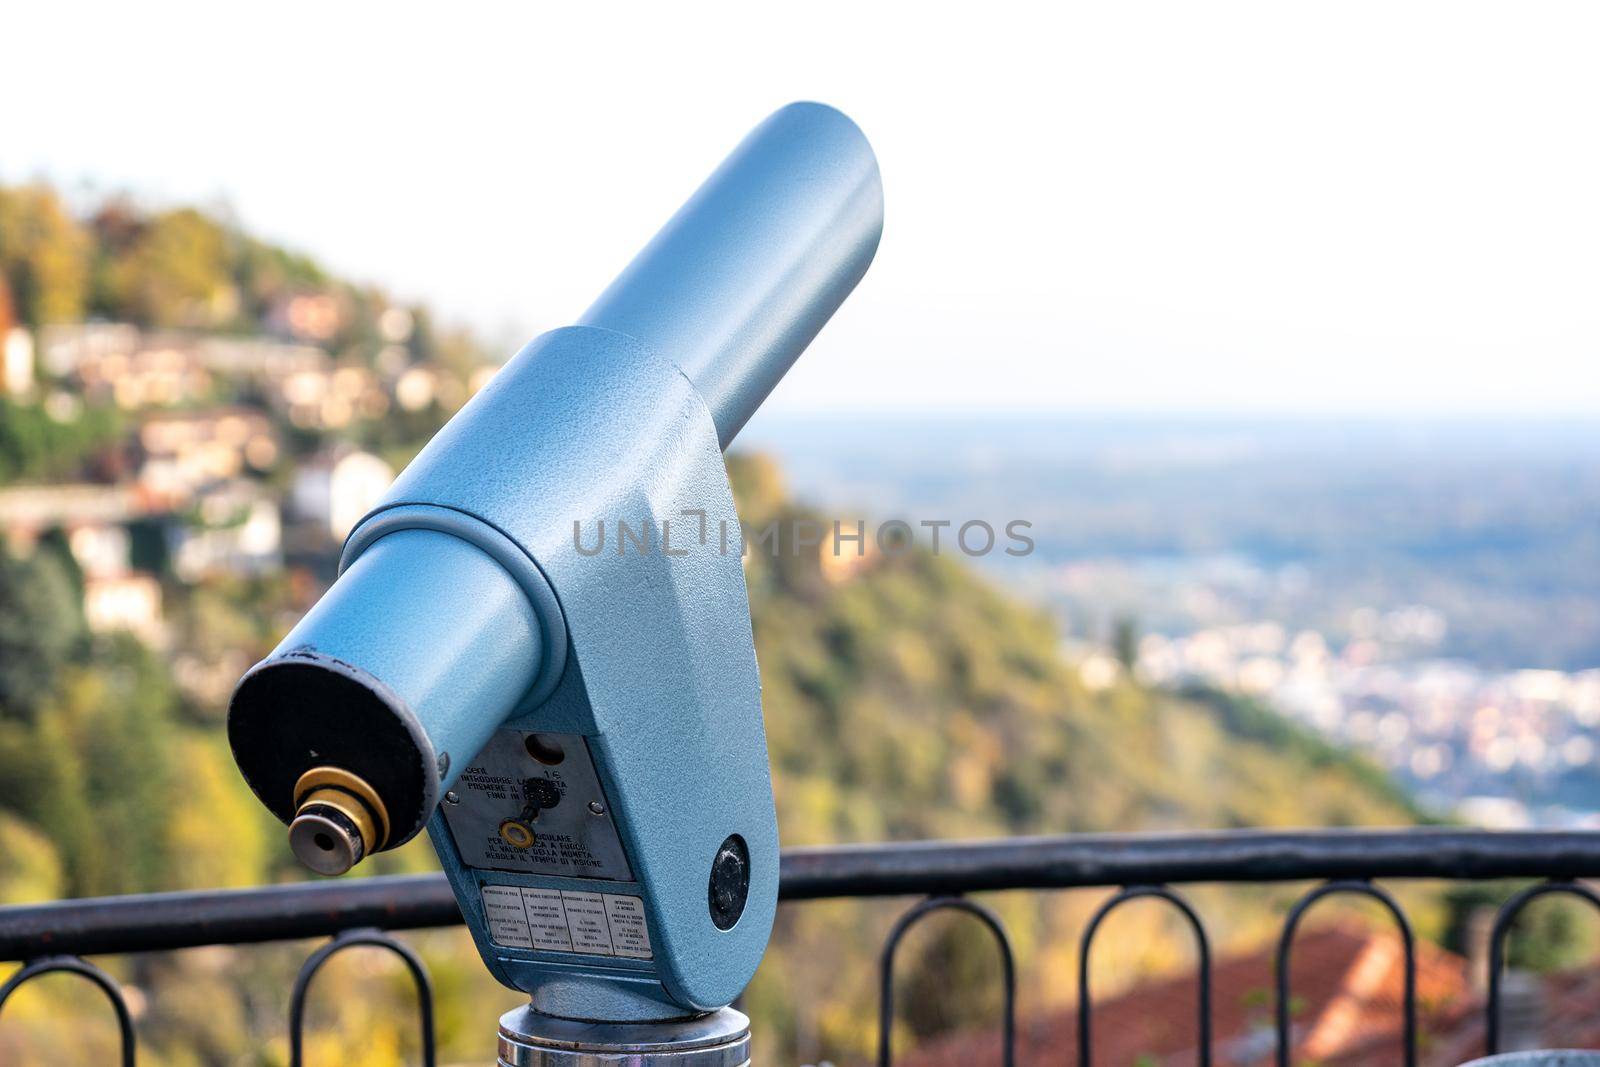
x=718, y=1039
x=568, y=837
x=435, y=631
x=417, y=602
x=588, y=426
x=739, y=282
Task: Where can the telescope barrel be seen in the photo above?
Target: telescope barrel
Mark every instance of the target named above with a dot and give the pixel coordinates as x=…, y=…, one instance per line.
x=741, y=279
x=452, y=609
x=321, y=723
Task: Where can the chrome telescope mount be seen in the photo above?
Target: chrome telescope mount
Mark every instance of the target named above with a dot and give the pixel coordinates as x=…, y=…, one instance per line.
x=720, y=1039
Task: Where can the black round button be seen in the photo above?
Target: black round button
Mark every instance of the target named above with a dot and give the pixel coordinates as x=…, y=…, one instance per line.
x=730, y=882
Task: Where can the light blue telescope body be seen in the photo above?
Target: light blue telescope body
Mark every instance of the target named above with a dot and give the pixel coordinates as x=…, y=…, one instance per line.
x=472, y=602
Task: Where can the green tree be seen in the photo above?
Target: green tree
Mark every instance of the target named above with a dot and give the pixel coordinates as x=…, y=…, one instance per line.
x=34, y=446
x=41, y=629
x=30, y=870
x=176, y=272
x=44, y=255
x=264, y=273
x=1551, y=934
x=105, y=741
x=1125, y=644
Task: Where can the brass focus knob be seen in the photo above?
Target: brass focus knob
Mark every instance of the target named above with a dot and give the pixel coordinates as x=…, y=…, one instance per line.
x=339, y=820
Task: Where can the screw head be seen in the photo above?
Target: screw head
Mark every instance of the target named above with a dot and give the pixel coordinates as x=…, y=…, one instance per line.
x=452, y=797
x=596, y=808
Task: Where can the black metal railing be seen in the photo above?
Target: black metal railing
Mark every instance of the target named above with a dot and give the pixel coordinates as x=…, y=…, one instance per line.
x=55, y=937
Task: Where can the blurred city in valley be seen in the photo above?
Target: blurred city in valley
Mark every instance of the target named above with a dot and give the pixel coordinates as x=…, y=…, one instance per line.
x=1425, y=591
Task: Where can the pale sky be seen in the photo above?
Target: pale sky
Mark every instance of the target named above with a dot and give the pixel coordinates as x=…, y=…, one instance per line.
x=1334, y=208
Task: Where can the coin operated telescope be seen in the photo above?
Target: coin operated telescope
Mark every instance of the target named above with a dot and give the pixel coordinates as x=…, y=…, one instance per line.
x=577, y=721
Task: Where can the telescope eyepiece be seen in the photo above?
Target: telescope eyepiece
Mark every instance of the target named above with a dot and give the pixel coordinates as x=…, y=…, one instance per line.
x=325, y=841
x=339, y=820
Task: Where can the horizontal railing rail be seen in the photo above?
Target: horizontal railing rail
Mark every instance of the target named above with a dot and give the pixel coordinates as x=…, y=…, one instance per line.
x=162, y=921
x=1087, y=860
x=159, y=922
x=362, y=911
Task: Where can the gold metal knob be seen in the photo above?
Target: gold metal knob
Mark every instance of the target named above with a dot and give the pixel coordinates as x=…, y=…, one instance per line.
x=339, y=820
x=517, y=834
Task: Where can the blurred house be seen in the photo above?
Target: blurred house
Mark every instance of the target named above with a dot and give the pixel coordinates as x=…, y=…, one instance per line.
x=28, y=511
x=137, y=370
x=184, y=451
x=94, y=519
x=329, y=398
x=71, y=350
x=233, y=528
x=130, y=602
x=418, y=387
x=1098, y=669
x=306, y=316
x=250, y=357
x=117, y=361
x=208, y=678
x=846, y=552
x=334, y=489
x=1347, y=984
x=16, y=361
x=101, y=550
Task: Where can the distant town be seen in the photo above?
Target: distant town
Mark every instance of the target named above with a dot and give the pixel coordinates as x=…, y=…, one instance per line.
x=1503, y=749
x=203, y=478
x=1425, y=592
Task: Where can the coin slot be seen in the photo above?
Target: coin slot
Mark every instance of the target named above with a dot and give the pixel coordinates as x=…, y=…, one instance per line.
x=546, y=749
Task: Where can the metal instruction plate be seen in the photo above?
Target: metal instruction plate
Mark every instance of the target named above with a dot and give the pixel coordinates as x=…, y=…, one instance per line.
x=532, y=803
x=553, y=920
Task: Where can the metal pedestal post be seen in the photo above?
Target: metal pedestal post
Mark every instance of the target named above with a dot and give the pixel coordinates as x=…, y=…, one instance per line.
x=529, y=1039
